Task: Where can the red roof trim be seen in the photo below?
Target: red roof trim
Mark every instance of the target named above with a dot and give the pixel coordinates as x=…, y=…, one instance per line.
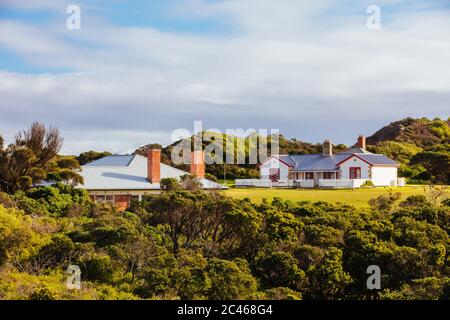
x=354, y=155
x=290, y=166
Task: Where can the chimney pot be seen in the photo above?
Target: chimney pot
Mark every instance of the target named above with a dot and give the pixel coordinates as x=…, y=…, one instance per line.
x=154, y=166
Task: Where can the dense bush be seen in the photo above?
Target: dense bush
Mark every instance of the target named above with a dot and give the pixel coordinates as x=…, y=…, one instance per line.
x=196, y=245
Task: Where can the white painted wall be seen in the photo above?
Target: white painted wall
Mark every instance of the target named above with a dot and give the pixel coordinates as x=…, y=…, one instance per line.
x=384, y=176
x=257, y=183
x=273, y=163
x=341, y=183
x=355, y=162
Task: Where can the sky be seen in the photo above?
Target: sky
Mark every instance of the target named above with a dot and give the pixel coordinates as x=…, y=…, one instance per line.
x=138, y=70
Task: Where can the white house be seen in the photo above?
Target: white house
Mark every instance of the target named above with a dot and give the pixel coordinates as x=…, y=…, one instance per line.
x=348, y=169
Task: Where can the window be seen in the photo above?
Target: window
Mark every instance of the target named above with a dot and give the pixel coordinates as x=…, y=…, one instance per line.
x=328, y=175
x=355, y=173
x=104, y=198
x=274, y=174
x=309, y=175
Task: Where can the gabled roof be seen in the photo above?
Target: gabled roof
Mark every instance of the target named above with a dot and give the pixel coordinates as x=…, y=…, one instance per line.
x=319, y=162
x=112, y=161
x=377, y=159
x=287, y=160
x=129, y=173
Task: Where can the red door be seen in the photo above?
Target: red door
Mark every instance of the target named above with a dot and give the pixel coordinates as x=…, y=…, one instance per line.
x=355, y=173
x=274, y=175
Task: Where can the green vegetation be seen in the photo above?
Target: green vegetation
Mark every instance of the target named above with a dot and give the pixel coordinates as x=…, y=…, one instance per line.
x=189, y=244
x=33, y=158
x=421, y=146
x=90, y=156
x=240, y=244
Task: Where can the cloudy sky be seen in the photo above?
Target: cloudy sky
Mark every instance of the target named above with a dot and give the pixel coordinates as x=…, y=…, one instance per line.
x=137, y=70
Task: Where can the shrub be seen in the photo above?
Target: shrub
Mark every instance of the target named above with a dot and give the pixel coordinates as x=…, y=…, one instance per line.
x=6, y=200
x=98, y=268
x=368, y=183
x=230, y=279
x=170, y=184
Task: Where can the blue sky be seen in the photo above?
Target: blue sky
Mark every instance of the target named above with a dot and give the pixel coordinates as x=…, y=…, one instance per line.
x=137, y=70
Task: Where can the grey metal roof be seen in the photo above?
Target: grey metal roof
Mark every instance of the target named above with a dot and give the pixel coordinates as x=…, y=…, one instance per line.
x=355, y=149
x=318, y=162
x=112, y=161
x=287, y=159
x=377, y=159
x=129, y=173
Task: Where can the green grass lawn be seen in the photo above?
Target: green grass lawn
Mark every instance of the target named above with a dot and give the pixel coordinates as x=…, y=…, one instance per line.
x=357, y=197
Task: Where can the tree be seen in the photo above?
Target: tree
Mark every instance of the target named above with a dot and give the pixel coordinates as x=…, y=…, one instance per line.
x=65, y=169
x=26, y=161
x=328, y=280
x=230, y=280
x=90, y=156
x=437, y=165
x=384, y=203
x=280, y=269
x=170, y=184
x=190, y=182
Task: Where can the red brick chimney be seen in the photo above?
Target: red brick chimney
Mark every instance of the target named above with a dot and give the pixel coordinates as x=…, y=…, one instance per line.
x=198, y=164
x=362, y=142
x=154, y=166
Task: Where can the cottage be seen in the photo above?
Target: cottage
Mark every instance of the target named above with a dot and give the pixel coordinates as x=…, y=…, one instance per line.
x=119, y=179
x=348, y=169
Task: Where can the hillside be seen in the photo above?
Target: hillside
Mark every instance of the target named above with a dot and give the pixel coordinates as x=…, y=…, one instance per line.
x=421, y=146
x=421, y=132
x=287, y=146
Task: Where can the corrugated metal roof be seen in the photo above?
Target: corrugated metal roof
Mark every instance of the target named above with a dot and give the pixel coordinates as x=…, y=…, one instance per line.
x=377, y=159
x=317, y=162
x=355, y=149
x=118, y=174
x=112, y=161
x=287, y=159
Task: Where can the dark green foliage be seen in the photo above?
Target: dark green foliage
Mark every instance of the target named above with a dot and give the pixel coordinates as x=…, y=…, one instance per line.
x=230, y=280
x=98, y=268
x=90, y=156
x=170, y=184
x=57, y=200
x=437, y=165
x=196, y=245
x=280, y=269
x=32, y=157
